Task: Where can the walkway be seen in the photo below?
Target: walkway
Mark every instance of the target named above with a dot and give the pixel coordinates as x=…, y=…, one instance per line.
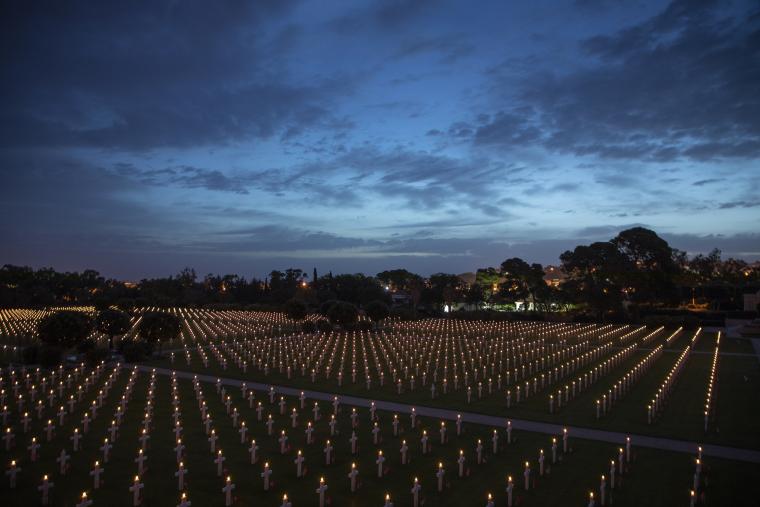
x=756, y=345
x=667, y=444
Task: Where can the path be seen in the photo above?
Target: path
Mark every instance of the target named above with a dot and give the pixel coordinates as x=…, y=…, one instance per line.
x=666, y=444
x=756, y=345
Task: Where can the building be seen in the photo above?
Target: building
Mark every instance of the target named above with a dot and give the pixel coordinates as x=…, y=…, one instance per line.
x=553, y=276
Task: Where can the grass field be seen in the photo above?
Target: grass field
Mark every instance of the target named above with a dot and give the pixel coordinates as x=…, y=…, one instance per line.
x=738, y=397
x=653, y=477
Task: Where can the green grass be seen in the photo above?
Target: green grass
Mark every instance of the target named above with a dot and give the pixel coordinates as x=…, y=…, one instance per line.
x=738, y=395
x=654, y=478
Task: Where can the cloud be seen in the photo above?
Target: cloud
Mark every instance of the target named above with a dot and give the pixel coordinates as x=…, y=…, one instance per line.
x=676, y=86
x=186, y=177
x=153, y=75
x=701, y=183
x=450, y=47
x=739, y=204
x=382, y=15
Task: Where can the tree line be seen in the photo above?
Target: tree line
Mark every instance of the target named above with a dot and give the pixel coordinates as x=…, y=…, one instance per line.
x=636, y=269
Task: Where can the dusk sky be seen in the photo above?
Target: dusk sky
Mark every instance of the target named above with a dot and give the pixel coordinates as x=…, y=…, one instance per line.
x=138, y=138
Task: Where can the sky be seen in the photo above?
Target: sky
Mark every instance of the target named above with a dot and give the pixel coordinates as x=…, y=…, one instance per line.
x=137, y=138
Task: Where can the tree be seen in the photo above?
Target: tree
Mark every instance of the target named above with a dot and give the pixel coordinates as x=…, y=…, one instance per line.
x=521, y=280
x=444, y=289
x=112, y=323
x=595, y=276
x=66, y=328
x=343, y=314
x=475, y=294
x=295, y=309
x=377, y=311
x=62, y=330
x=652, y=266
x=158, y=327
x=398, y=279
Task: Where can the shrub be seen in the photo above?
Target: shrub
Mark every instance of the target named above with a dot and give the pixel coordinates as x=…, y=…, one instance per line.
x=159, y=327
x=66, y=328
x=295, y=309
x=343, y=314
x=377, y=310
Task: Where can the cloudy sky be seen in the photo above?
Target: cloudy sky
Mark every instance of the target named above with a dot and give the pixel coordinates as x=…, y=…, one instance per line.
x=137, y=138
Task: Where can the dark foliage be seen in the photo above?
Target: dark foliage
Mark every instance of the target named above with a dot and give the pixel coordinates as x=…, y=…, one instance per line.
x=65, y=328
x=159, y=327
x=377, y=311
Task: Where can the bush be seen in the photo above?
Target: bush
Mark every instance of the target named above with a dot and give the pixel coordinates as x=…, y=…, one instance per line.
x=343, y=314
x=364, y=325
x=31, y=354
x=159, y=327
x=309, y=327
x=66, y=328
x=376, y=310
x=50, y=356
x=295, y=309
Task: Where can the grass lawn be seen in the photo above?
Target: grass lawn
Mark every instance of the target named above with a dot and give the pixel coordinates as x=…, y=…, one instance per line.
x=738, y=395
x=653, y=478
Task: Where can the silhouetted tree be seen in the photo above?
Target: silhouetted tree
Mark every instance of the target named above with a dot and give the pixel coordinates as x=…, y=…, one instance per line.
x=112, y=323
x=66, y=328
x=376, y=311
x=295, y=309
x=159, y=327
x=343, y=314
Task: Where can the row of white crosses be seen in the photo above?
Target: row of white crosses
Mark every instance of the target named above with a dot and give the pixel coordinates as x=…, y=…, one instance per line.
x=617, y=468
x=328, y=450
x=179, y=448
x=673, y=335
x=76, y=437
x=711, y=383
x=373, y=348
x=219, y=457
x=271, y=360
x=26, y=422
x=147, y=424
x=624, y=384
x=657, y=404
x=588, y=378
x=697, y=481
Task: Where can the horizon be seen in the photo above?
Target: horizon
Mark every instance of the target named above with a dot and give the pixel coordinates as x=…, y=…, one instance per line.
x=307, y=270
x=138, y=140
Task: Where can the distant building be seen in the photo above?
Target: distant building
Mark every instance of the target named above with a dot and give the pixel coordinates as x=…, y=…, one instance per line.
x=553, y=276
x=400, y=297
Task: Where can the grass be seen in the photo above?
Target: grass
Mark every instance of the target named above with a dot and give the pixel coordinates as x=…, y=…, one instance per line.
x=654, y=478
x=738, y=409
